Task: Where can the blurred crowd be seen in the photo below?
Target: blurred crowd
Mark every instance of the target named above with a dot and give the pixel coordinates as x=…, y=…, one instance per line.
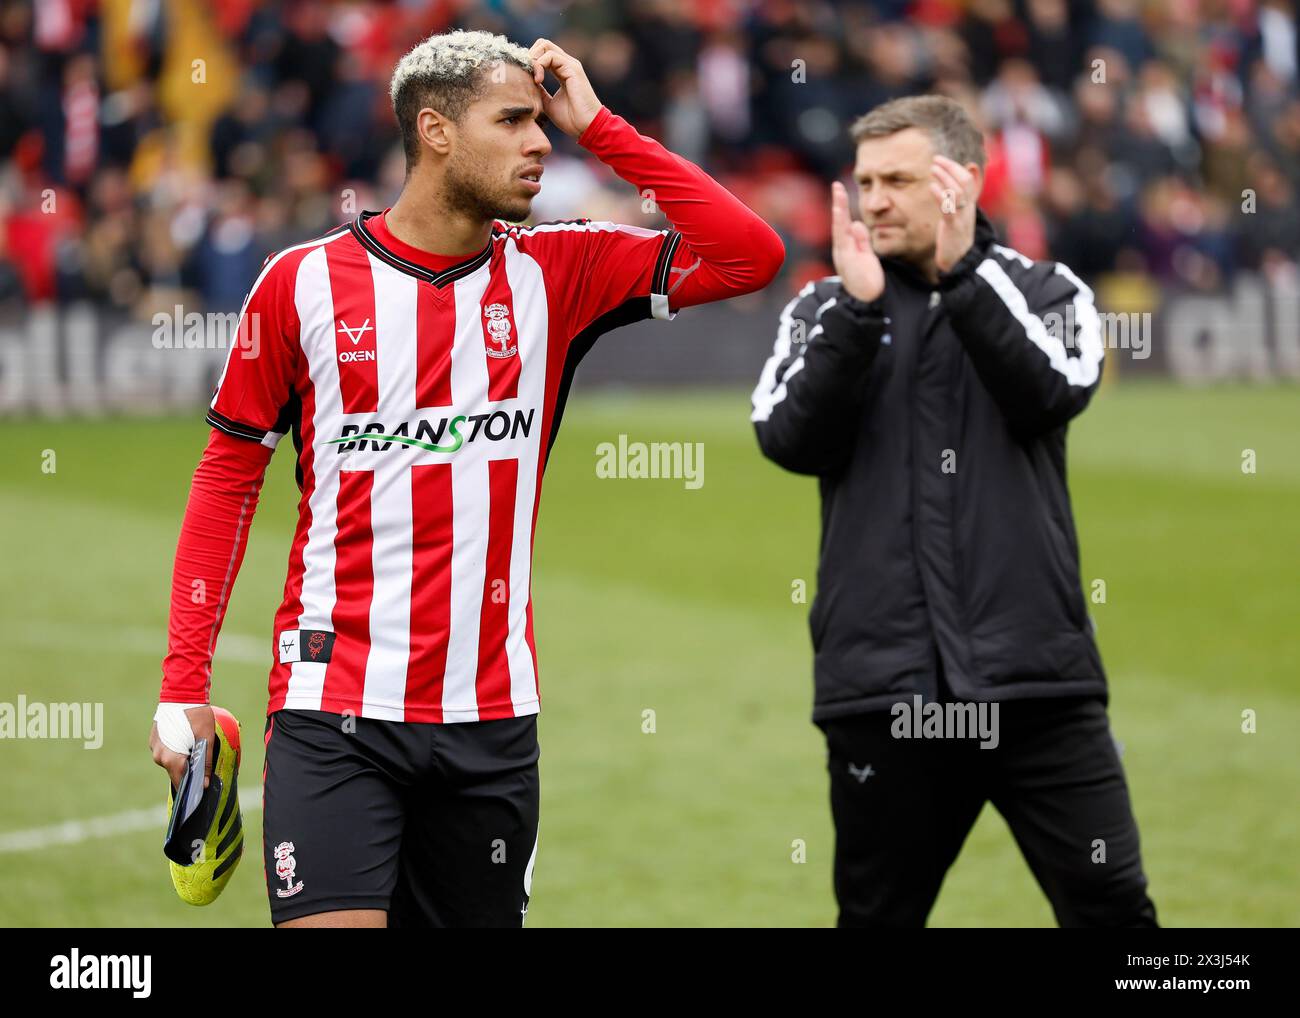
x=154, y=151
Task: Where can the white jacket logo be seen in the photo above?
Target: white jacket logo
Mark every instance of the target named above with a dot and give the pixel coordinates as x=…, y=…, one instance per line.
x=498, y=327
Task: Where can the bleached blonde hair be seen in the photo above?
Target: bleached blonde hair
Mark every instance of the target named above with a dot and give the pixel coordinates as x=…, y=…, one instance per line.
x=446, y=73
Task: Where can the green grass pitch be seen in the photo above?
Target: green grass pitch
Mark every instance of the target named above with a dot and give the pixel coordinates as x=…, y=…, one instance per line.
x=652, y=597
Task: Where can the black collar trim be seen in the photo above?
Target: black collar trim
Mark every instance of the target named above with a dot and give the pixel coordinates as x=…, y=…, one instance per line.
x=438, y=279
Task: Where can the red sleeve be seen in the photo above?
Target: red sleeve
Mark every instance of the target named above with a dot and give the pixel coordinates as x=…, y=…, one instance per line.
x=250, y=412
x=717, y=247
x=214, y=534
x=253, y=395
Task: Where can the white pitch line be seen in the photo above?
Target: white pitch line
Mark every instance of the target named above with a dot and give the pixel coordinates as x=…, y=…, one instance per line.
x=73, y=832
x=231, y=647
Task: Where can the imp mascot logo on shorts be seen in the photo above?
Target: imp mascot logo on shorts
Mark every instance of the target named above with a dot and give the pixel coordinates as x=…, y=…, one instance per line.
x=285, y=866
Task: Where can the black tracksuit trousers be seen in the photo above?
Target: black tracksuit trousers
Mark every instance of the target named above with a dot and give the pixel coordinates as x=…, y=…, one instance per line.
x=903, y=807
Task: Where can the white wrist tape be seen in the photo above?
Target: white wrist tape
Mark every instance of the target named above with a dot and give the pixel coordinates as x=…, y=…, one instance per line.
x=174, y=726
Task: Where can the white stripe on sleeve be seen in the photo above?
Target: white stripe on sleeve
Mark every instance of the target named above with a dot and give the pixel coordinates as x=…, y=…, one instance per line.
x=767, y=394
x=1081, y=370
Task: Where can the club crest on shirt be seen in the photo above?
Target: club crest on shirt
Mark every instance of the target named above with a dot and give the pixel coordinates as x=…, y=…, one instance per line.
x=497, y=323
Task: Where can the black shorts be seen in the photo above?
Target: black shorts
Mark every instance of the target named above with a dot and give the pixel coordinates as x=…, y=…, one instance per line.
x=434, y=823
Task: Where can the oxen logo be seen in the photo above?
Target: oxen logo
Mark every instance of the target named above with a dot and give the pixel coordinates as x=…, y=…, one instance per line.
x=498, y=327
x=355, y=334
x=285, y=867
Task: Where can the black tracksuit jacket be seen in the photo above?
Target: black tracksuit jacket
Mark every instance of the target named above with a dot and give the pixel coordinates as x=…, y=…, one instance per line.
x=935, y=418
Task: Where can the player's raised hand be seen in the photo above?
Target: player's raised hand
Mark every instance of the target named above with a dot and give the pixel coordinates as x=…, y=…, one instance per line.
x=956, y=190
x=855, y=261
x=574, y=105
x=204, y=724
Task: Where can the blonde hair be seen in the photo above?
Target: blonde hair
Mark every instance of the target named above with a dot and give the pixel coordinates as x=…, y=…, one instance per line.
x=445, y=73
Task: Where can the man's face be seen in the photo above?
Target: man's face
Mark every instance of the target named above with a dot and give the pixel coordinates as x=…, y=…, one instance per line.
x=498, y=141
x=894, y=197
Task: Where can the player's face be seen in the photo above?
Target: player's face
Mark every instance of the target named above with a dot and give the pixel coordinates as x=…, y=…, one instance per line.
x=894, y=198
x=499, y=142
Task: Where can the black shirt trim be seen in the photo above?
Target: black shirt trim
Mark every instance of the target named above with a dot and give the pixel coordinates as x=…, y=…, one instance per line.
x=438, y=279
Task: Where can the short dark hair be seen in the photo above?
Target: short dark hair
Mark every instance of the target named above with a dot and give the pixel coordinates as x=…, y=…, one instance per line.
x=950, y=128
x=446, y=72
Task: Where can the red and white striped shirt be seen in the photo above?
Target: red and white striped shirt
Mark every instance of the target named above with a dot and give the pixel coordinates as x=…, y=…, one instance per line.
x=423, y=393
